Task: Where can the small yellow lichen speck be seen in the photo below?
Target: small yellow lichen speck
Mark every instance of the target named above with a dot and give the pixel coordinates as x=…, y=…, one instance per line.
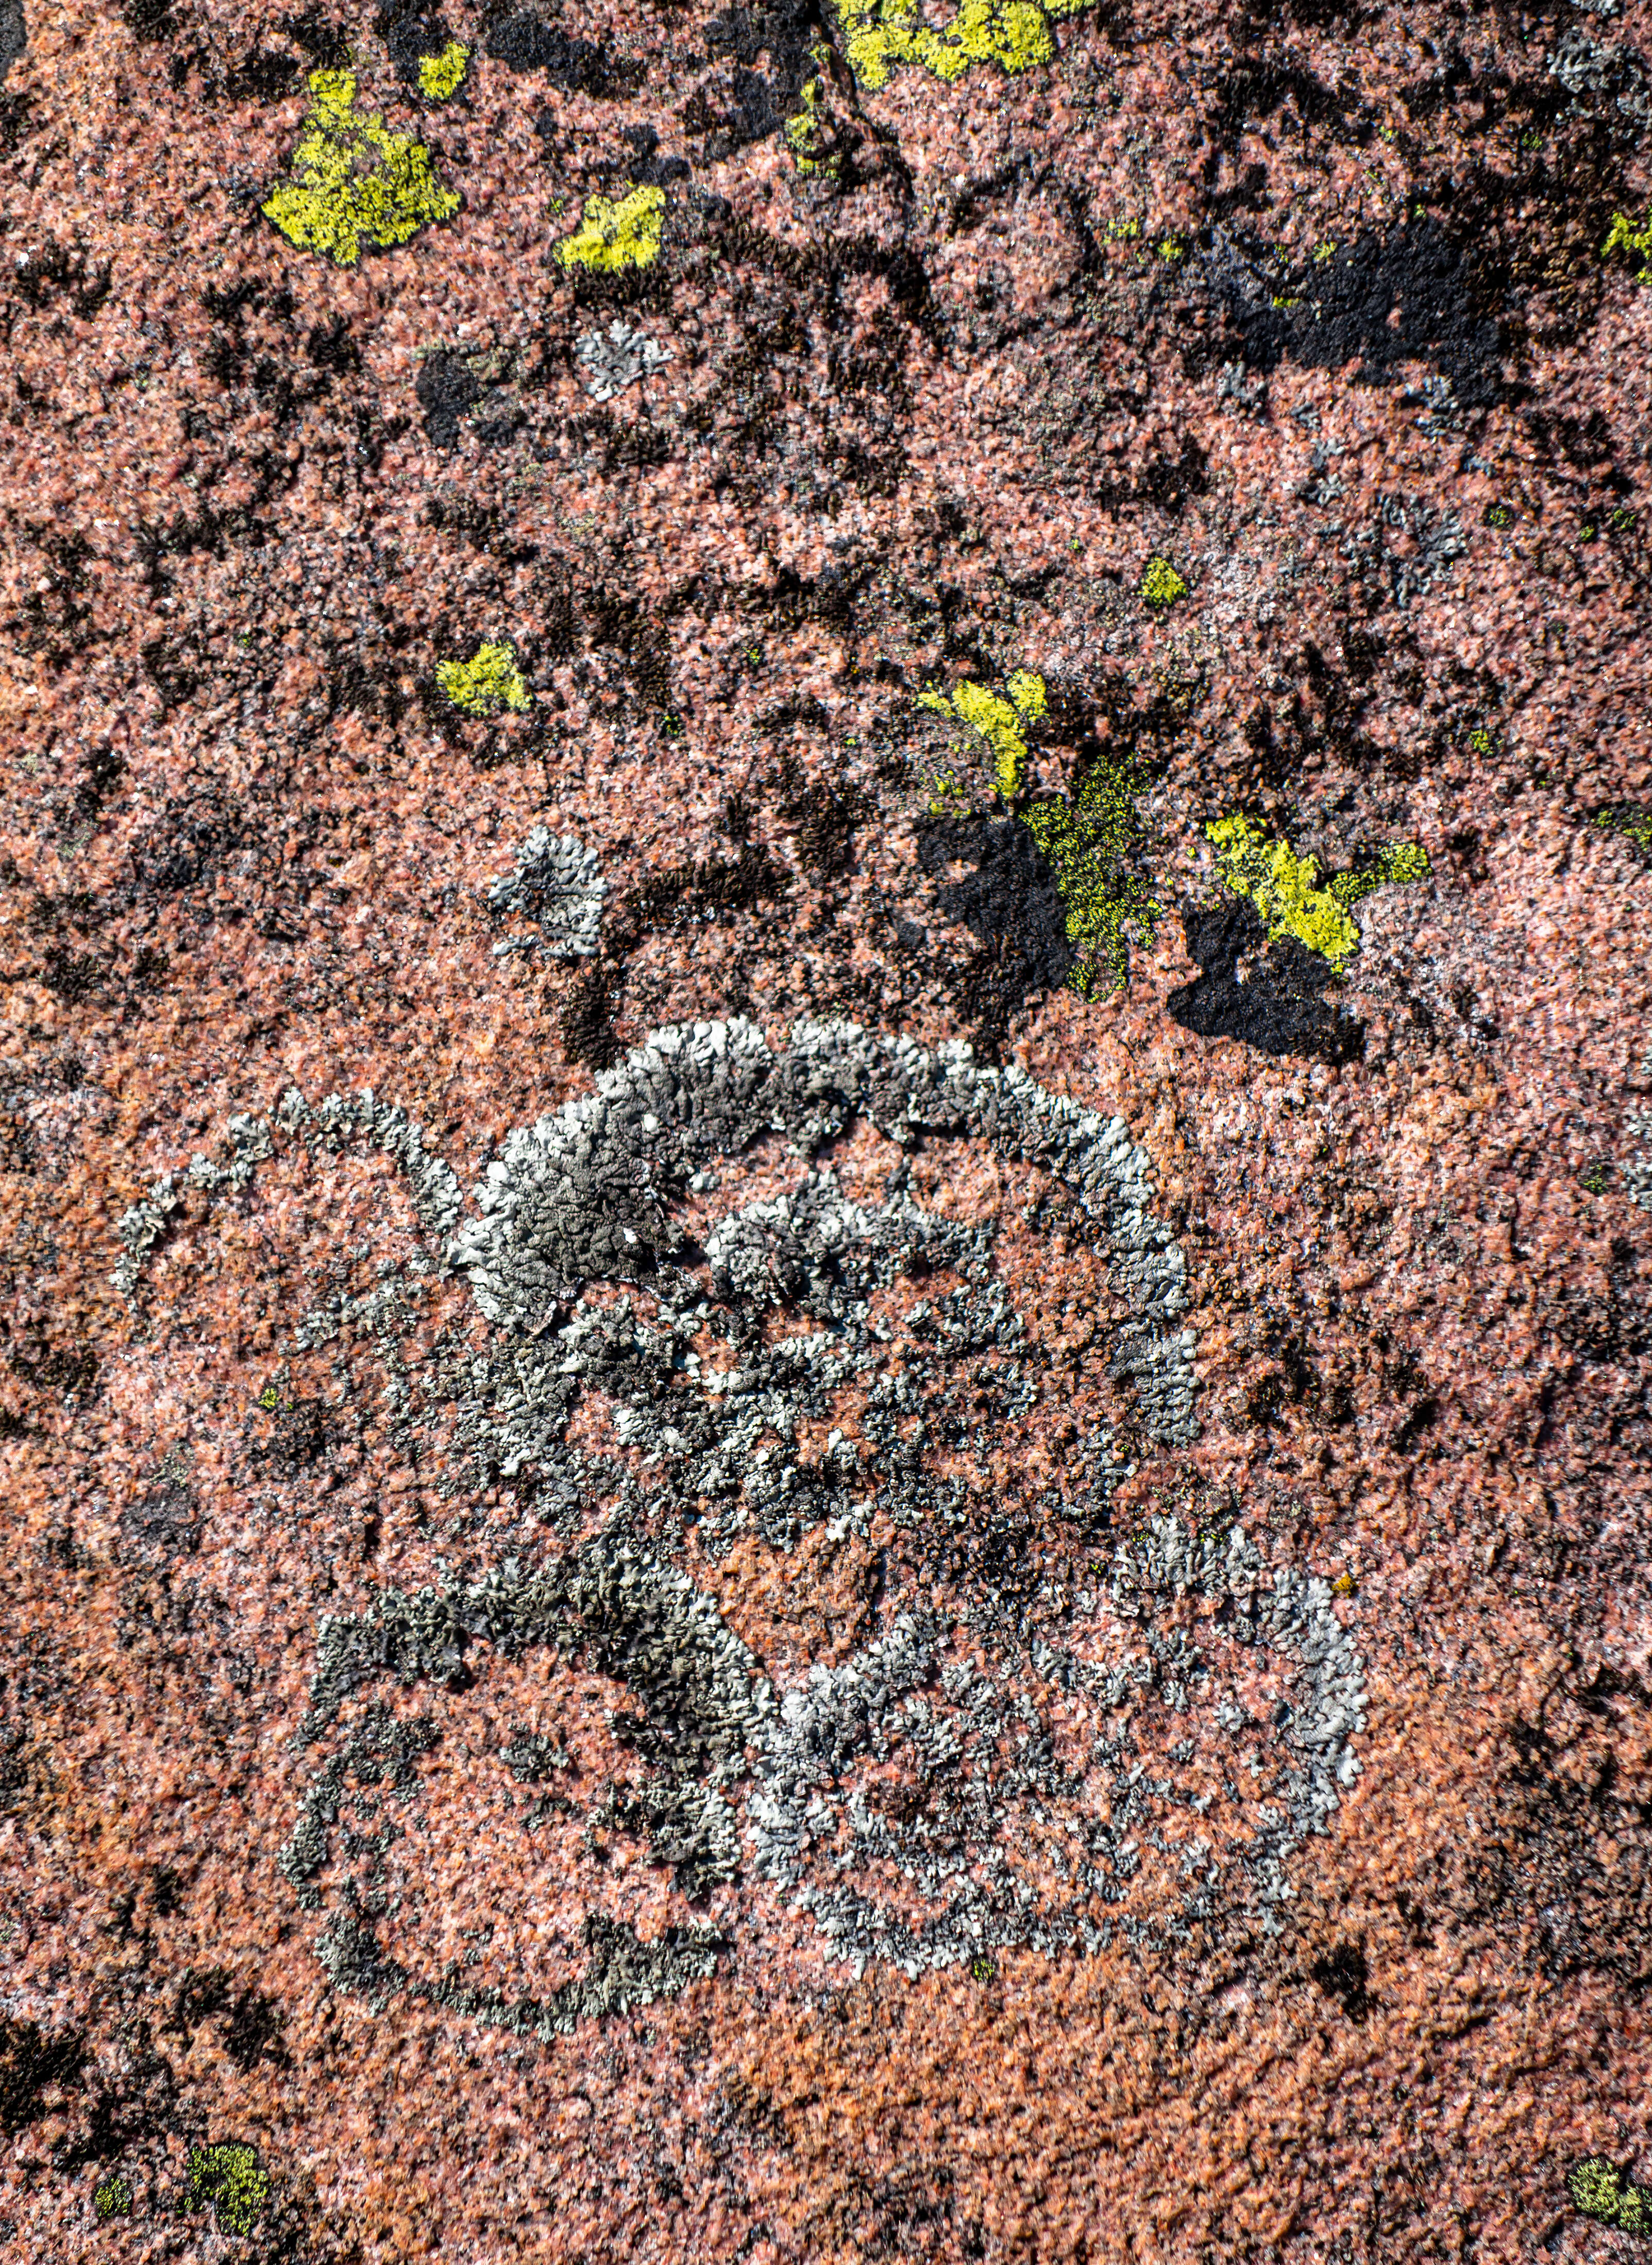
x=615, y=233
x=1161, y=585
x=486, y=683
x=1636, y=242
x=352, y=187
x=440, y=76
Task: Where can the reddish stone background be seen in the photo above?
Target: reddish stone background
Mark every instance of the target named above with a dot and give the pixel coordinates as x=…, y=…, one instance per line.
x=246, y=846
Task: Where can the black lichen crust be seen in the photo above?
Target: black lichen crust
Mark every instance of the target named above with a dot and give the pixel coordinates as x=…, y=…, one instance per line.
x=1278, y=1005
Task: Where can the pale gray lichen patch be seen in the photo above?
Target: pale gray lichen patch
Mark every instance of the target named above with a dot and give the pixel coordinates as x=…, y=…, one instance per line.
x=617, y=357
x=558, y=884
x=581, y=1194
x=1128, y=1763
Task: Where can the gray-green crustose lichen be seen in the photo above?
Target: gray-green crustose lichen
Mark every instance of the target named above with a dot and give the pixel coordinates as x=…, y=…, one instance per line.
x=731, y=1763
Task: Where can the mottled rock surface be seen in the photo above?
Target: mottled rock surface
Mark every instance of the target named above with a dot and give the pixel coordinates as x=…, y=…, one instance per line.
x=826, y=1127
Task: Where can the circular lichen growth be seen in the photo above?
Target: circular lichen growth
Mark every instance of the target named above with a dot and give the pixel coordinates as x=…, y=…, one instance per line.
x=489, y=681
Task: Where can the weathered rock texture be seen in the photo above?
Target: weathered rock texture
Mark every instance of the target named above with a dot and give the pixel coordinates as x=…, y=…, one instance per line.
x=826, y=1132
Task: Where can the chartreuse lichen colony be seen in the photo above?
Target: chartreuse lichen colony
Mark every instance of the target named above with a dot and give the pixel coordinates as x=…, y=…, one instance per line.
x=1287, y=890
x=351, y=186
x=1016, y=35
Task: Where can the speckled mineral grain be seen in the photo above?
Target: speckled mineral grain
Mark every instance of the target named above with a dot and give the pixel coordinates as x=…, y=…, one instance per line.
x=826, y=1132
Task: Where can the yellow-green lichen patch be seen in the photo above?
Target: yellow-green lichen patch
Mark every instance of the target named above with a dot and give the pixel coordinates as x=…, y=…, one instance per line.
x=1161, y=585
x=1635, y=243
x=1284, y=888
x=352, y=187
x=1634, y=824
x=1600, y=2190
x=488, y=682
x=809, y=135
x=1001, y=723
x=231, y=2176
x=112, y=2197
x=615, y=233
x=1086, y=842
x=440, y=76
x=879, y=35
x=1403, y=861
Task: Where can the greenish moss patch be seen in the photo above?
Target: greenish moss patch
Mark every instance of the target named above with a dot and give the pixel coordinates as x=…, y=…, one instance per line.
x=352, y=187
x=1600, y=2190
x=489, y=681
x=229, y=2175
x=616, y=234
x=112, y=2197
x=1634, y=824
x=1086, y=842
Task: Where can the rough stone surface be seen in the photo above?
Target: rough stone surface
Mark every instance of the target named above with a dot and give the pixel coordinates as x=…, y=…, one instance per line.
x=696, y=1566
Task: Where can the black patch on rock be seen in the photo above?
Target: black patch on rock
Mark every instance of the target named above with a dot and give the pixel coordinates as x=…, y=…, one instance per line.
x=1429, y=279
x=1343, y=1976
x=166, y=1522
x=1010, y=904
x=523, y=43
x=447, y=386
x=410, y=32
x=264, y=76
x=14, y=34
x=33, y=2063
x=1278, y=1008
x=645, y=168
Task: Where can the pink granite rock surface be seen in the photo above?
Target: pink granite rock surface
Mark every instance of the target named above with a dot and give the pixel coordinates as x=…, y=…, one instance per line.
x=986, y=1604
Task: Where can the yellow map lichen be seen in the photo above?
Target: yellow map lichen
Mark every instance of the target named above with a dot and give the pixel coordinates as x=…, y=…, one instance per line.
x=486, y=683
x=352, y=187
x=1287, y=890
x=1636, y=242
x=1284, y=889
x=1015, y=34
x=1161, y=585
x=440, y=76
x=615, y=233
x=1001, y=723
